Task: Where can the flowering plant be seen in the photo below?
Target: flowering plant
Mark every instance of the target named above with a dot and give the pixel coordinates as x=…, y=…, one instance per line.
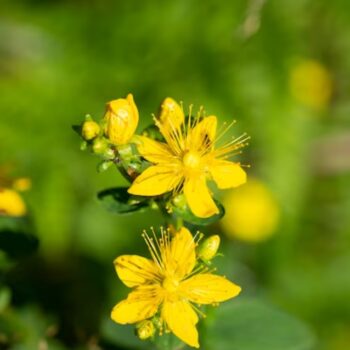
x=168, y=167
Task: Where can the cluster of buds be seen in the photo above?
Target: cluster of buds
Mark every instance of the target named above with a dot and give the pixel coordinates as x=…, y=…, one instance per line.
x=111, y=136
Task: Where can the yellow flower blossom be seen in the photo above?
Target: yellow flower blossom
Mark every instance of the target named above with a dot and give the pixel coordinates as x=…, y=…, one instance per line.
x=169, y=285
x=252, y=213
x=188, y=159
x=11, y=203
x=121, y=120
x=311, y=84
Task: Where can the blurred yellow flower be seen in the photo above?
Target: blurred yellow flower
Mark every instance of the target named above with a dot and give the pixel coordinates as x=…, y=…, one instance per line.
x=22, y=184
x=252, y=213
x=169, y=285
x=311, y=84
x=187, y=159
x=121, y=120
x=11, y=203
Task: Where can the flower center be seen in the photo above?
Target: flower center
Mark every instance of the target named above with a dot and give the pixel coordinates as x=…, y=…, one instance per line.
x=191, y=160
x=170, y=284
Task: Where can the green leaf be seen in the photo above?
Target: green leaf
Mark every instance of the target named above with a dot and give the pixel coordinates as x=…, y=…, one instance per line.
x=249, y=324
x=16, y=239
x=5, y=298
x=119, y=201
x=77, y=129
x=123, y=335
x=185, y=213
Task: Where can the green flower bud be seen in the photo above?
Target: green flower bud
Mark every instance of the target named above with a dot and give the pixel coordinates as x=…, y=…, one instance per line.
x=209, y=247
x=90, y=130
x=145, y=329
x=103, y=166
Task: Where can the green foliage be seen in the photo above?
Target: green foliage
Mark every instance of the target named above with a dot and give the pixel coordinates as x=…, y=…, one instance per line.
x=250, y=324
x=119, y=201
x=16, y=238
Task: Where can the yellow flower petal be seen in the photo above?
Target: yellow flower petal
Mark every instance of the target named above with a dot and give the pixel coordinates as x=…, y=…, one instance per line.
x=141, y=304
x=156, y=180
x=134, y=270
x=153, y=151
x=198, y=197
x=203, y=133
x=171, y=114
x=183, y=253
x=227, y=174
x=181, y=320
x=207, y=288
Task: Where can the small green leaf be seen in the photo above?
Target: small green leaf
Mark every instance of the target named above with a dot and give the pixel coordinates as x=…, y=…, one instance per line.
x=16, y=239
x=119, y=201
x=249, y=324
x=185, y=213
x=77, y=129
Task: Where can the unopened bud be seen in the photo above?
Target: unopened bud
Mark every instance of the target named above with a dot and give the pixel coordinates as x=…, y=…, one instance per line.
x=209, y=247
x=103, y=166
x=145, y=329
x=121, y=120
x=171, y=114
x=99, y=146
x=90, y=130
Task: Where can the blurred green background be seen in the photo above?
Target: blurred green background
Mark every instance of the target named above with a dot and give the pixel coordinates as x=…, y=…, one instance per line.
x=279, y=67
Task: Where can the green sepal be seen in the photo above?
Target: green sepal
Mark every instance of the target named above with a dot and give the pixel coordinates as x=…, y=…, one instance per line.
x=184, y=212
x=119, y=201
x=16, y=238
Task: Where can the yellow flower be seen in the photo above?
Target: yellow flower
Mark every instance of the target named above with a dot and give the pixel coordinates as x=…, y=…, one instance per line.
x=169, y=285
x=11, y=203
x=187, y=159
x=252, y=213
x=121, y=120
x=311, y=84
